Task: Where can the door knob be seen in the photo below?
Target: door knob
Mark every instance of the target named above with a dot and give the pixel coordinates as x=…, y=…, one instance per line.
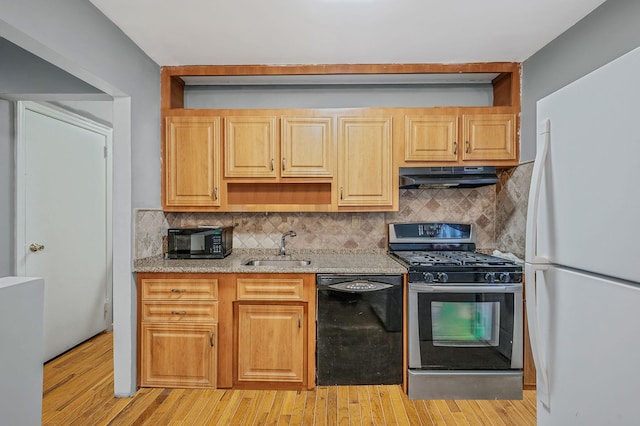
x=34, y=247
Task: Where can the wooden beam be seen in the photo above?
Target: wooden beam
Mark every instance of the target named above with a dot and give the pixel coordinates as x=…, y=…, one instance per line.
x=336, y=69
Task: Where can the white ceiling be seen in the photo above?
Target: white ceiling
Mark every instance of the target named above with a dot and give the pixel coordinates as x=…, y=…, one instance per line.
x=210, y=32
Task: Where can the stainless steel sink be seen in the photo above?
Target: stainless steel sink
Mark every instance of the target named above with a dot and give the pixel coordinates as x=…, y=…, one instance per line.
x=278, y=262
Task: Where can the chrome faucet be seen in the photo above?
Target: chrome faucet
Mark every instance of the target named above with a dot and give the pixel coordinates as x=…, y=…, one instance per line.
x=283, y=251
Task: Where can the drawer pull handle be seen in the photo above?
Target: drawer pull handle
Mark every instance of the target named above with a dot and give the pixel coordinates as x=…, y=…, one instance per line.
x=178, y=290
x=211, y=337
x=455, y=148
x=178, y=312
x=299, y=321
x=468, y=147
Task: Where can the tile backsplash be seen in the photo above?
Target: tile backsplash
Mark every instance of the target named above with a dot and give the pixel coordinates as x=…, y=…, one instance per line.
x=511, y=209
x=332, y=230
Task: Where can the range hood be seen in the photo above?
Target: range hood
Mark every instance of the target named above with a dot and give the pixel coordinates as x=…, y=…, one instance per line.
x=447, y=177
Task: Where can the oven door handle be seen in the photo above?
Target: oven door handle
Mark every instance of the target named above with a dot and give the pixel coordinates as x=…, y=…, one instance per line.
x=466, y=288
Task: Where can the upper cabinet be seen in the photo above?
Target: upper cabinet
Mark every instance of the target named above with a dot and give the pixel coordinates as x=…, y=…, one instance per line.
x=191, y=166
x=223, y=151
x=302, y=147
x=459, y=138
x=489, y=137
x=431, y=137
x=365, y=161
x=250, y=146
x=307, y=146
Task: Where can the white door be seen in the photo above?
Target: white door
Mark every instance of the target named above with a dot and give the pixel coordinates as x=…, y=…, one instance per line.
x=589, y=329
x=63, y=220
x=589, y=203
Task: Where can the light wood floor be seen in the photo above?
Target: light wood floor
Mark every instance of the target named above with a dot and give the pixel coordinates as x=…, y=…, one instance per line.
x=78, y=390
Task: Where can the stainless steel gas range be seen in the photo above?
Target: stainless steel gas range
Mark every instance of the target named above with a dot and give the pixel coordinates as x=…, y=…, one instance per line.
x=465, y=314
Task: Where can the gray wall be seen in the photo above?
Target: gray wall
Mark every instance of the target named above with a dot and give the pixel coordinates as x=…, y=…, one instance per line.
x=608, y=32
x=339, y=96
x=23, y=73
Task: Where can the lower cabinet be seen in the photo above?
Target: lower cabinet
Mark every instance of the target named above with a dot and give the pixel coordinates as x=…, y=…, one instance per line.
x=178, y=330
x=179, y=355
x=244, y=331
x=271, y=341
x=274, y=338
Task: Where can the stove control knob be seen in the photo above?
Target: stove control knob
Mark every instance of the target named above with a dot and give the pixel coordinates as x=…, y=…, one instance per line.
x=505, y=277
x=516, y=277
x=490, y=277
x=428, y=277
x=443, y=277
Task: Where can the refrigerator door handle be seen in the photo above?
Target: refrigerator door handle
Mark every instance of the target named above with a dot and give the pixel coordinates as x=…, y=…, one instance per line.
x=544, y=139
x=535, y=272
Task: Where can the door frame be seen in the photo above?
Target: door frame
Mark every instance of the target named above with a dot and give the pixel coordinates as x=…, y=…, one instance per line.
x=65, y=116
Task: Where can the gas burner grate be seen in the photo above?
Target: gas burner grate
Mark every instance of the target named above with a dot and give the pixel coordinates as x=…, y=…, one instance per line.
x=475, y=258
x=451, y=258
x=428, y=259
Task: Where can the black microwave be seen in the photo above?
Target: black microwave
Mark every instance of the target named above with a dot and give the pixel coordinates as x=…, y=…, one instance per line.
x=199, y=243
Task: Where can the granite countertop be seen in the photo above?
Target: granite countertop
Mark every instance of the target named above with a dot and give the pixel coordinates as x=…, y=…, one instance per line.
x=322, y=262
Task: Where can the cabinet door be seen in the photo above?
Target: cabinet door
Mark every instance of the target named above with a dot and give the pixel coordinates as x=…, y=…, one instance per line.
x=365, y=161
x=431, y=138
x=489, y=137
x=191, y=161
x=271, y=342
x=250, y=147
x=178, y=355
x=307, y=147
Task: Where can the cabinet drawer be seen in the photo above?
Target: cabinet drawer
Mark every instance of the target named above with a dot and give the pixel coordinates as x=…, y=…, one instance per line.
x=269, y=289
x=180, y=311
x=179, y=288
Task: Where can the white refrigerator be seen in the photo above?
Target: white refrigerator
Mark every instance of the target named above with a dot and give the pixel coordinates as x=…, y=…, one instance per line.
x=583, y=249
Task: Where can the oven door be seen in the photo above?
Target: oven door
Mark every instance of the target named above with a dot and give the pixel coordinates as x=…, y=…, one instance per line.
x=465, y=327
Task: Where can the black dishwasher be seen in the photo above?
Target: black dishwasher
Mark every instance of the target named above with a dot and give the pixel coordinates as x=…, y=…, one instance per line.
x=358, y=329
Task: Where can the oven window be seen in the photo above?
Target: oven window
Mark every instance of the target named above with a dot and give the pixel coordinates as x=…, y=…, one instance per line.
x=465, y=323
x=461, y=331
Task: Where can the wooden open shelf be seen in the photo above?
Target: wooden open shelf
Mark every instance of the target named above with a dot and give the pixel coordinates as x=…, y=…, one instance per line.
x=506, y=85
